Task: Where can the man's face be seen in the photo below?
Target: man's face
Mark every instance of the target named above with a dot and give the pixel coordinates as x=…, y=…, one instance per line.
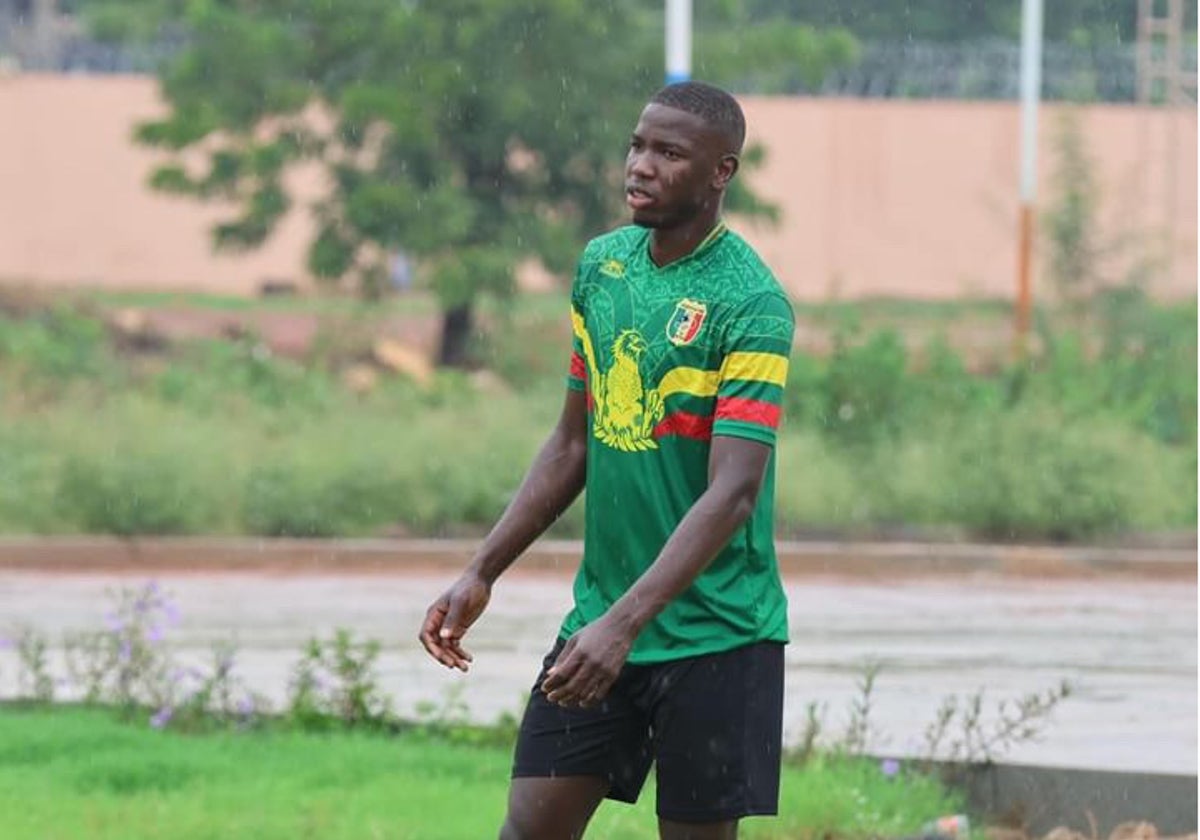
x=676, y=168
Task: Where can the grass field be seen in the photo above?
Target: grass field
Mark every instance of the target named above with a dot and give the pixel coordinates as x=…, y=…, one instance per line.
x=70, y=774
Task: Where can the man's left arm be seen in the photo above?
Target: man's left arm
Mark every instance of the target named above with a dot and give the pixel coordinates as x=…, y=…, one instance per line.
x=757, y=346
x=593, y=657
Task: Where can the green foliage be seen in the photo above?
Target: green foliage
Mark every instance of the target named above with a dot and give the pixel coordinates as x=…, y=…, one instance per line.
x=1095, y=435
x=467, y=133
x=1073, y=252
x=128, y=492
x=58, y=344
x=335, y=684
x=1041, y=472
x=124, y=664
x=1149, y=364
x=771, y=55
x=206, y=375
x=34, y=680
x=865, y=388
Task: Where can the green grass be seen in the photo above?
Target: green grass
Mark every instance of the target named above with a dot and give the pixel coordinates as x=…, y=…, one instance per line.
x=71, y=773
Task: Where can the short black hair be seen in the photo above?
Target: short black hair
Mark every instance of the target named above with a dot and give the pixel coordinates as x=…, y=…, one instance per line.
x=710, y=103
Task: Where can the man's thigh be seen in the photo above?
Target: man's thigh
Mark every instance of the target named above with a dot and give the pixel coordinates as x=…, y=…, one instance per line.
x=551, y=809
x=718, y=731
x=610, y=741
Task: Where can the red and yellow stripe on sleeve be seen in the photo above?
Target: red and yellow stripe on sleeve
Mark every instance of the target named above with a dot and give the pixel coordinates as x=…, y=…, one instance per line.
x=581, y=346
x=750, y=395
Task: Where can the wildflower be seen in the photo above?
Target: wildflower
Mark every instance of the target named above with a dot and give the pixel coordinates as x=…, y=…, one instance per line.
x=889, y=767
x=171, y=613
x=162, y=717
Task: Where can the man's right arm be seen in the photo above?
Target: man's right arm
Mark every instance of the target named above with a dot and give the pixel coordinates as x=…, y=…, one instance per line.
x=553, y=482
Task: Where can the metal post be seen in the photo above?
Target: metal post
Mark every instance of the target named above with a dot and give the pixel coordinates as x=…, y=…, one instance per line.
x=1031, y=88
x=679, y=40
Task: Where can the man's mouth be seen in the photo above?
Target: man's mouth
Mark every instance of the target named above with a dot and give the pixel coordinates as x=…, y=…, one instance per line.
x=638, y=198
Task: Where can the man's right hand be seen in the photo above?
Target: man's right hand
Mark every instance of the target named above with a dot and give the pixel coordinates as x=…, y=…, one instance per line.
x=449, y=617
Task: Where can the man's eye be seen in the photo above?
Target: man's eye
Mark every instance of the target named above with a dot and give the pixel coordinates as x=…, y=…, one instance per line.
x=671, y=154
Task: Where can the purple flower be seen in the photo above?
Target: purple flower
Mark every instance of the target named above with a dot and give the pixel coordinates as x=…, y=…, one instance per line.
x=171, y=613
x=113, y=622
x=245, y=706
x=154, y=633
x=7, y=644
x=889, y=767
x=162, y=717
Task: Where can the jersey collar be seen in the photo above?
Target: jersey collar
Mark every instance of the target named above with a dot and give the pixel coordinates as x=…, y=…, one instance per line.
x=706, y=243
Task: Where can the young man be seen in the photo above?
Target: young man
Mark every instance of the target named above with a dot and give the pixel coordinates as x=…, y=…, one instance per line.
x=673, y=652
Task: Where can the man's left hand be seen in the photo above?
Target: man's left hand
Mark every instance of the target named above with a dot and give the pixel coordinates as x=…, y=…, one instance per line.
x=589, y=664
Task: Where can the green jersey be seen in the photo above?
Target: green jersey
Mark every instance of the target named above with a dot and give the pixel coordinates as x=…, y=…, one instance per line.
x=670, y=357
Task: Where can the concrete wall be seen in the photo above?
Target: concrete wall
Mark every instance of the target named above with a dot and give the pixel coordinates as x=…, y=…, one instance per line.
x=877, y=197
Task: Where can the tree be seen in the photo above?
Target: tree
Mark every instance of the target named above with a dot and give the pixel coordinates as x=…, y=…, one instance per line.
x=469, y=133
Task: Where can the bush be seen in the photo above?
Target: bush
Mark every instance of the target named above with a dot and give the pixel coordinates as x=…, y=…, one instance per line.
x=132, y=492
x=314, y=497
x=1095, y=436
x=213, y=375
x=57, y=344
x=866, y=387
x=1038, y=472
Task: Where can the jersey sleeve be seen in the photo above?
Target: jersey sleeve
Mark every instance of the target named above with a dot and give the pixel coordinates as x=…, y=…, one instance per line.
x=577, y=371
x=756, y=346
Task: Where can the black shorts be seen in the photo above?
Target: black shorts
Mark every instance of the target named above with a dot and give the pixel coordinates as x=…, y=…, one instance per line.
x=712, y=724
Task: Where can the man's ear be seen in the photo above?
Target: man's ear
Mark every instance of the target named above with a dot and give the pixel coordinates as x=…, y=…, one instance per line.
x=726, y=169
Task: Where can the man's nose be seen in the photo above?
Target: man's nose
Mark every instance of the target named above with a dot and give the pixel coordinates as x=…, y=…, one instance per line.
x=640, y=165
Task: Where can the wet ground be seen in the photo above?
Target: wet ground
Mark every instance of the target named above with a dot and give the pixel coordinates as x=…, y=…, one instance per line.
x=1128, y=646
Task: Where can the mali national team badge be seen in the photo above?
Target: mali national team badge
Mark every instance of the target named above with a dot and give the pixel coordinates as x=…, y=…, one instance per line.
x=686, y=321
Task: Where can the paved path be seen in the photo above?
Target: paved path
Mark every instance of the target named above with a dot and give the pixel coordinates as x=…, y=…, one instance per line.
x=1130, y=646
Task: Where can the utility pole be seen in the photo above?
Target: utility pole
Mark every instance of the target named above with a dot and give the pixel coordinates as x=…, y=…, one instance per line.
x=1162, y=82
x=1031, y=91
x=679, y=40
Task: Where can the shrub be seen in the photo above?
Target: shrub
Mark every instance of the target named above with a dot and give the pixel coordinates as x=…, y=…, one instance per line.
x=1039, y=472
x=866, y=388
x=129, y=492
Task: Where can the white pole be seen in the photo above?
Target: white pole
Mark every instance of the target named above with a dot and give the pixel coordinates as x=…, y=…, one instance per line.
x=679, y=40
x=1031, y=90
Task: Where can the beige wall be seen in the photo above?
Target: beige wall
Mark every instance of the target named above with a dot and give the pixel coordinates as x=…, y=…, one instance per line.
x=877, y=197
x=920, y=198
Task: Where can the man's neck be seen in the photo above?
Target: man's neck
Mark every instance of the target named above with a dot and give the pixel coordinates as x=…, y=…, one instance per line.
x=670, y=244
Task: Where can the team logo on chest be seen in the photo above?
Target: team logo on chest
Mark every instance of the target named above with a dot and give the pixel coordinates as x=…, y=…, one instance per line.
x=685, y=322
x=613, y=268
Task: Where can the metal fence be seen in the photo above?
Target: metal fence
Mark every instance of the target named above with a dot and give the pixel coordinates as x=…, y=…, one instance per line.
x=990, y=70
x=912, y=70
